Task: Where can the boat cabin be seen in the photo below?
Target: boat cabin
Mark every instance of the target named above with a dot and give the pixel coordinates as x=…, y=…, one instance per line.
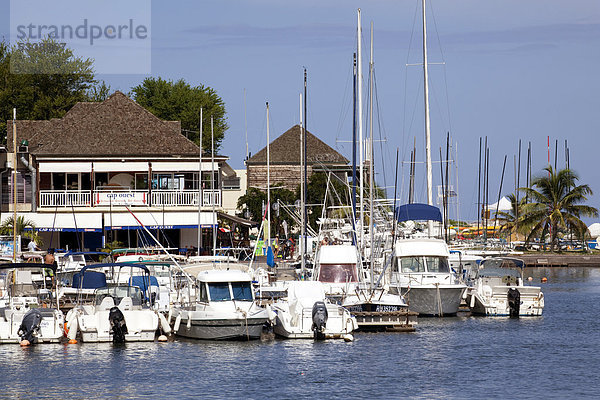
x=220, y=286
x=338, y=264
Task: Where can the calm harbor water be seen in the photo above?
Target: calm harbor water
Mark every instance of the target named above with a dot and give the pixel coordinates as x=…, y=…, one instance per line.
x=553, y=356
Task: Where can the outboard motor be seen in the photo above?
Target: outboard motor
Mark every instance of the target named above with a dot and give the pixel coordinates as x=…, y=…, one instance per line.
x=319, y=317
x=30, y=326
x=117, y=325
x=514, y=302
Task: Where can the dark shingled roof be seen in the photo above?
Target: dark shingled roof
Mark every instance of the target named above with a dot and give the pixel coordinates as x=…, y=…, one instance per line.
x=117, y=126
x=286, y=150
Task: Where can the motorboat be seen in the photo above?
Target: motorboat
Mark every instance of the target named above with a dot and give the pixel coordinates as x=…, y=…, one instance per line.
x=119, y=312
x=28, y=311
x=420, y=272
x=375, y=308
x=337, y=268
x=222, y=307
x=306, y=314
x=499, y=290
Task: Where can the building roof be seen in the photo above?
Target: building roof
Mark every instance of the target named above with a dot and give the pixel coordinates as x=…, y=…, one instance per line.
x=286, y=150
x=118, y=126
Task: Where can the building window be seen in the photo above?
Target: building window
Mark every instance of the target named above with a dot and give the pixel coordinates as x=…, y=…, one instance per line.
x=141, y=181
x=232, y=183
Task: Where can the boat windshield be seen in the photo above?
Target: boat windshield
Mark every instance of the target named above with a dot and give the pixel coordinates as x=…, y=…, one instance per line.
x=219, y=291
x=242, y=291
x=338, y=273
x=120, y=292
x=418, y=264
x=437, y=264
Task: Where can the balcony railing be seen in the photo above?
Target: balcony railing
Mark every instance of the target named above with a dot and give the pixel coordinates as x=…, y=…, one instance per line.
x=159, y=198
x=65, y=198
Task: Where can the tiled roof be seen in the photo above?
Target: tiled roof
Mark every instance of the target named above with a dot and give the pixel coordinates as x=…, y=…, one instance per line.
x=117, y=126
x=286, y=150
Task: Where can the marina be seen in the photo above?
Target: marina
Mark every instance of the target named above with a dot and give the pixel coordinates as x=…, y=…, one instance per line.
x=454, y=357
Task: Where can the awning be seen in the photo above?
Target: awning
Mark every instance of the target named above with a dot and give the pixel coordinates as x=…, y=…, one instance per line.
x=418, y=212
x=237, y=220
x=159, y=220
x=62, y=222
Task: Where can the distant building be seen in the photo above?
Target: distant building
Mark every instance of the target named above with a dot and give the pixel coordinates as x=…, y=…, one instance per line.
x=285, y=167
x=90, y=176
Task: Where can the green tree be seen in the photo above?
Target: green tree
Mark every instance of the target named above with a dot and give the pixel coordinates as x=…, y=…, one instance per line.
x=41, y=80
x=555, y=204
x=179, y=101
x=337, y=195
x=254, y=200
x=25, y=228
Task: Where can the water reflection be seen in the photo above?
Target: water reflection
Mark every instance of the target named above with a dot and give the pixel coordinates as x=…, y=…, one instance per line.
x=458, y=357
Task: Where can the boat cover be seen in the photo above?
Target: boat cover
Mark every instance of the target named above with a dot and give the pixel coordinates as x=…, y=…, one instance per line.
x=89, y=280
x=418, y=212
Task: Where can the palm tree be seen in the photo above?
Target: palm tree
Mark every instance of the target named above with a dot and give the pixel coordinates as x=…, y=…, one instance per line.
x=24, y=227
x=510, y=221
x=555, y=203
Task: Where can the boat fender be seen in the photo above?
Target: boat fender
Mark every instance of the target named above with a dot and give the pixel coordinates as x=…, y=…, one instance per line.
x=166, y=328
x=348, y=337
x=72, y=332
x=177, y=323
x=472, y=300
x=162, y=338
x=189, y=321
x=170, y=315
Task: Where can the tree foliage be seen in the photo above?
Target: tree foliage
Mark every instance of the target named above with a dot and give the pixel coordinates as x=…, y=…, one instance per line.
x=555, y=205
x=179, y=101
x=41, y=80
x=25, y=228
x=511, y=221
x=254, y=200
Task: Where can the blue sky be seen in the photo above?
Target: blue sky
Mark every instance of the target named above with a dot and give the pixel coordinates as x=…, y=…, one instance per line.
x=513, y=70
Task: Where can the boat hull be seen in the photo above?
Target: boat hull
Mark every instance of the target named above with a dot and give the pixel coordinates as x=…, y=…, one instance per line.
x=532, y=304
x=222, y=329
x=426, y=300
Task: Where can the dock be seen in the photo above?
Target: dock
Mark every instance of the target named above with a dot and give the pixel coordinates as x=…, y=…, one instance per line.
x=560, y=260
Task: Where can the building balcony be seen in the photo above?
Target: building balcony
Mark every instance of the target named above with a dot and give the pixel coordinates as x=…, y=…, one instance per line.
x=142, y=198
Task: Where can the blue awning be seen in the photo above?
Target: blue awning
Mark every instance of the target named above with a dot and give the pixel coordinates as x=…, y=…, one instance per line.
x=418, y=212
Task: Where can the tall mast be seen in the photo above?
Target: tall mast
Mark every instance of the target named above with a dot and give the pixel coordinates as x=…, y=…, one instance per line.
x=354, y=148
x=200, y=186
x=14, y=183
x=212, y=184
x=246, y=125
x=268, y=227
x=302, y=199
x=371, y=159
x=360, y=128
x=427, y=123
x=304, y=249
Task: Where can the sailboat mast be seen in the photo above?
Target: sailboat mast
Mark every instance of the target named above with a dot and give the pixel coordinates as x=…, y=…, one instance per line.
x=268, y=182
x=200, y=185
x=304, y=239
x=354, y=145
x=427, y=122
x=360, y=128
x=212, y=184
x=371, y=159
x=302, y=199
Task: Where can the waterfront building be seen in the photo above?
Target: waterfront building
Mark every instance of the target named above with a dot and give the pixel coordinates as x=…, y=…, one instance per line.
x=285, y=165
x=96, y=174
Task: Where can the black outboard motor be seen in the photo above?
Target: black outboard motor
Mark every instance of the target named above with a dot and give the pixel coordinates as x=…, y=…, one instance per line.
x=117, y=325
x=30, y=326
x=514, y=302
x=319, y=317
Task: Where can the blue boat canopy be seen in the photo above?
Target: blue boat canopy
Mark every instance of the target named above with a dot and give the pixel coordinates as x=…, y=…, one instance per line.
x=418, y=212
x=89, y=280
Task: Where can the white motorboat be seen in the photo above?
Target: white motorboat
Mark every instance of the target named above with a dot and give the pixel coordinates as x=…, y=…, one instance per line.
x=378, y=309
x=420, y=272
x=499, y=290
x=28, y=313
x=337, y=268
x=118, y=313
x=224, y=308
x=307, y=314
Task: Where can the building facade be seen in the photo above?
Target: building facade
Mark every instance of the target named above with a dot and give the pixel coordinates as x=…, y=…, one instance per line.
x=105, y=171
